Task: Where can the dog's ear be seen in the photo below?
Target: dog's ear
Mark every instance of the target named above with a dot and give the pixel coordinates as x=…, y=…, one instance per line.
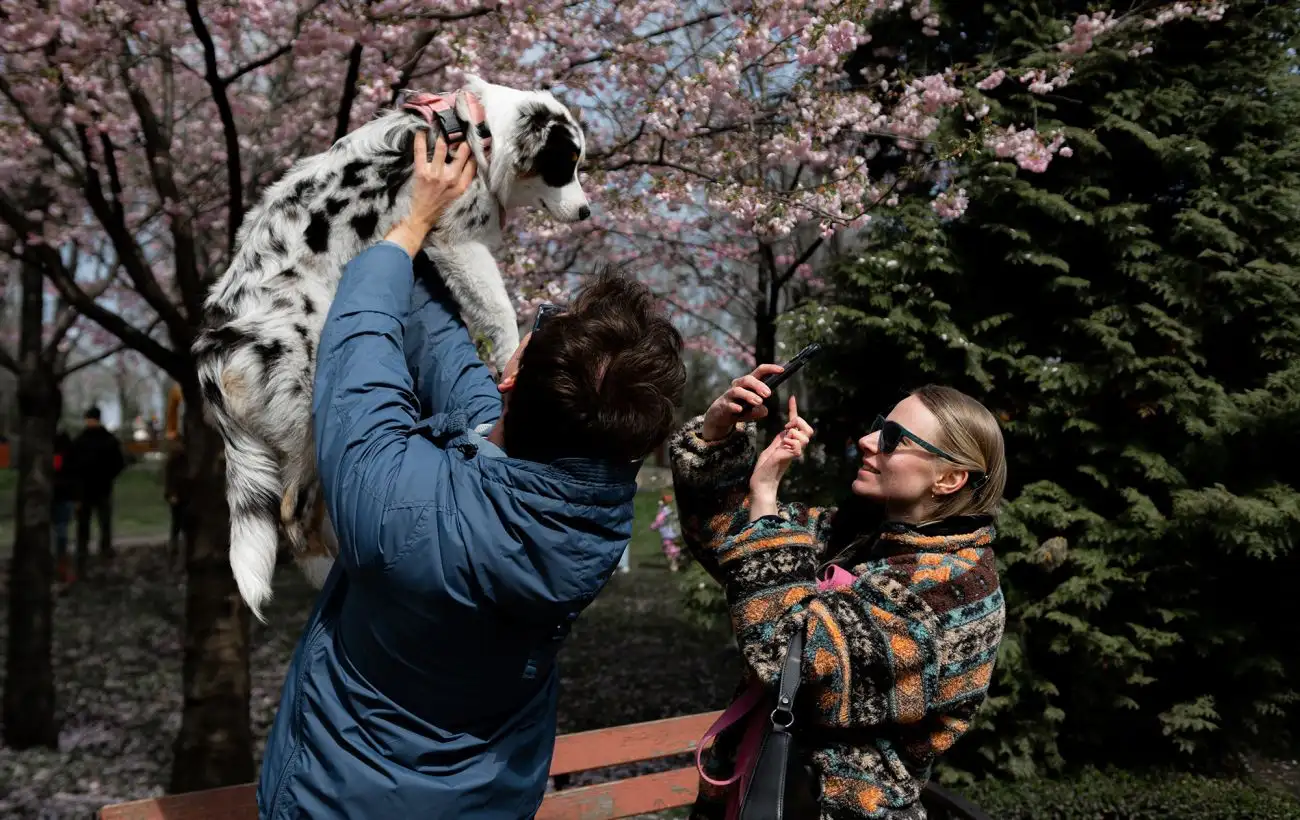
x=576, y=113
x=474, y=82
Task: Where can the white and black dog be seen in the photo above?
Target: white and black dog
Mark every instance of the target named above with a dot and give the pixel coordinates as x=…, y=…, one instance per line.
x=256, y=354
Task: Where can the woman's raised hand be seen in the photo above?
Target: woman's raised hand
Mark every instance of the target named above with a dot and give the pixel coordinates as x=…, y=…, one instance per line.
x=773, y=462
x=746, y=393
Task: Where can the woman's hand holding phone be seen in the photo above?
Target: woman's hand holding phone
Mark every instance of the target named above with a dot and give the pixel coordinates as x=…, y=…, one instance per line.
x=743, y=400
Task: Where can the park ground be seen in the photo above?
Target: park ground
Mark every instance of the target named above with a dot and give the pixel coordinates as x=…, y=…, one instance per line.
x=118, y=662
x=632, y=657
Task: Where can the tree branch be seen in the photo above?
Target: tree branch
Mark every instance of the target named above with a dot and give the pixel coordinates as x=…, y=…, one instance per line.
x=184, y=250
x=234, y=174
x=67, y=370
x=803, y=257
x=344, y=119
x=408, y=67
x=607, y=53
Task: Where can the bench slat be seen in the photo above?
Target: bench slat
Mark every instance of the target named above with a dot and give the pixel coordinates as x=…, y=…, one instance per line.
x=227, y=803
x=623, y=798
x=615, y=746
x=579, y=752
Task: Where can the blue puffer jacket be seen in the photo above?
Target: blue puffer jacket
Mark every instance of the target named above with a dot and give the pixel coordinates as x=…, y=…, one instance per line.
x=425, y=682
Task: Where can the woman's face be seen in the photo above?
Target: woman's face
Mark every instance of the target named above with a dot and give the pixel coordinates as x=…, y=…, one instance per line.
x=902, y=481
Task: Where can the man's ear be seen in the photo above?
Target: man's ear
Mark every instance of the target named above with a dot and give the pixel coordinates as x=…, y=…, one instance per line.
x=507, y=384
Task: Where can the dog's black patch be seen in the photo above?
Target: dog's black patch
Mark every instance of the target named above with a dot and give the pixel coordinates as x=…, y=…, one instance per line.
x=365, y=224
x=277, y=246
x=212, y=393
x=393, y=183
x=299, y=193
x=535, y=120
x=308, y=306
x=229, y=337
x=371, y=193
x=305, y=335
x=318, y=233
x=353, y=173
x=270, y=353
x=216, y=315
x=558, y=158
x=333, y=205
x=482, y=219
x=290, y=274
x=282, y=303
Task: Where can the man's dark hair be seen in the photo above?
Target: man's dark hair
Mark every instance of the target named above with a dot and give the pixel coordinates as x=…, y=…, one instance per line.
x=598, y=381
x=93, y=413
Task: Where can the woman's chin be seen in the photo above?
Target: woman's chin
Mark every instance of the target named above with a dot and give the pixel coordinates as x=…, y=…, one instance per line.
x=866, y=485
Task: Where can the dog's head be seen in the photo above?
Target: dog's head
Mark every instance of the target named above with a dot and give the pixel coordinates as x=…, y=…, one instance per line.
x=537, y=147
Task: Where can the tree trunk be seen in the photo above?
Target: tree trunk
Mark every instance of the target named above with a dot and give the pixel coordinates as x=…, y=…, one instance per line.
x=29, y=682
x=215, y=744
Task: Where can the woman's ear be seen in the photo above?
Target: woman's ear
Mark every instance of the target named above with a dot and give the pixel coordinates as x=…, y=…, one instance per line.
x=949, y=482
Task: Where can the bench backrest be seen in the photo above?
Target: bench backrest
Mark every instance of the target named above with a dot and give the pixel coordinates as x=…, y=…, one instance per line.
x=578, y=752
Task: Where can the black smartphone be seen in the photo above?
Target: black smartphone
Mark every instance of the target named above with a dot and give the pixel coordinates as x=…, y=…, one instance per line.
x=791, y=367
x=773, y=380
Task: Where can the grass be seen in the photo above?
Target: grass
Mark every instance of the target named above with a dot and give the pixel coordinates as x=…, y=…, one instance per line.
x=139, y=507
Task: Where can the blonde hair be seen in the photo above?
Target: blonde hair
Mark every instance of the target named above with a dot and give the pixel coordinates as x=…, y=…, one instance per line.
x=971, y=435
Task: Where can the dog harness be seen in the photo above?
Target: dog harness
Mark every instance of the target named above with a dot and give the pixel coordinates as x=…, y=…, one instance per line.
x=441, y=108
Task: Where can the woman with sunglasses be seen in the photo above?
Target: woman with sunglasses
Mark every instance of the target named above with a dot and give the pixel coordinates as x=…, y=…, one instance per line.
x=900, y=626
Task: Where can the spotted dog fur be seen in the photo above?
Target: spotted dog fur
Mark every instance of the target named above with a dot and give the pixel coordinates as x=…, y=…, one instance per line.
x=256, y=354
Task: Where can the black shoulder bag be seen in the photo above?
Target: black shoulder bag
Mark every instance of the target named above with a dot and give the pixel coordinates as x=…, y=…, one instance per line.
x=781, y=788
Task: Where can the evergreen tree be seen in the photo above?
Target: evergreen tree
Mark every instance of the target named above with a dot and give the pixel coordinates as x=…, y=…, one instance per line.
x=1133, y=316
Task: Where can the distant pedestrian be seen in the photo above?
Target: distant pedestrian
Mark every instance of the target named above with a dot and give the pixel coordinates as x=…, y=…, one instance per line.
x=96, y=460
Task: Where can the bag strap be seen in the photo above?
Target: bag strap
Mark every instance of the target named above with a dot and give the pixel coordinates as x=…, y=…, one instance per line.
x=764, y=797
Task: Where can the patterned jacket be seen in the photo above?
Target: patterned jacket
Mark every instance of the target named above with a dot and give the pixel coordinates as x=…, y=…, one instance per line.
x=895, y=666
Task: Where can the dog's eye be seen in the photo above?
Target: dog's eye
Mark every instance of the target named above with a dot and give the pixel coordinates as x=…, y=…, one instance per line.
x=574, y=158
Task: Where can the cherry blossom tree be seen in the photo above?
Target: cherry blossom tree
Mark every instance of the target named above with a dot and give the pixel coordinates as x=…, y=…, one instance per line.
x=724, y=141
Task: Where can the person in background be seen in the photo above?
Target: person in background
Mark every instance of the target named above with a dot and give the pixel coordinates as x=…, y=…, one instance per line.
x=61, y=506
x=666, y=522
x=95, y=461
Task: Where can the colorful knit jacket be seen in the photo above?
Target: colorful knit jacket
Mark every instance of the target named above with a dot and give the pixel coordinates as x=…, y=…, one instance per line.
x=895, y=665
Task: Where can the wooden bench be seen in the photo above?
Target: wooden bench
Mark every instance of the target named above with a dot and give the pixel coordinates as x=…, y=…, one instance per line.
x=580, y=752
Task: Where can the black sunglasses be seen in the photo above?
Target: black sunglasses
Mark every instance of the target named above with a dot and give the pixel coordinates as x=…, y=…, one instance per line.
x=545, y=312
x=892, y=434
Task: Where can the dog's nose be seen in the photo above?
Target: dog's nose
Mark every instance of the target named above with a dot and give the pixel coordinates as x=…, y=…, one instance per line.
x=584, y=213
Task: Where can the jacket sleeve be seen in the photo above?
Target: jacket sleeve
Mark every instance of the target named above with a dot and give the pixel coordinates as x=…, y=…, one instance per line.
x=874, y=651
x=711, y=485
x=442, y=360
x=364, y=405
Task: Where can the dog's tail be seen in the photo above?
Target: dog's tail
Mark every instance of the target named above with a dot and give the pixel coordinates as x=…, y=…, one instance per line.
x=253, y=483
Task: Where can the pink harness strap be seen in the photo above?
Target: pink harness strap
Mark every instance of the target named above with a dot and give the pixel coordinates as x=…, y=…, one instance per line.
x=442, y=107
x=746, y=707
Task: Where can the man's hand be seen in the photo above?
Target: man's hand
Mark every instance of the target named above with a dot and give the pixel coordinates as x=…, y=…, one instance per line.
x=436, y=184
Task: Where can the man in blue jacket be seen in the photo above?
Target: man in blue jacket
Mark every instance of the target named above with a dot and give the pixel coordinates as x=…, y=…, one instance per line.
x=425, y=683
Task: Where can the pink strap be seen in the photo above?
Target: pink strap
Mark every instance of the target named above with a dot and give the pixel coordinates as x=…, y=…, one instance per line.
x=835, y=578
x=745, y=705
x=429, y=105
x=736, y=712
